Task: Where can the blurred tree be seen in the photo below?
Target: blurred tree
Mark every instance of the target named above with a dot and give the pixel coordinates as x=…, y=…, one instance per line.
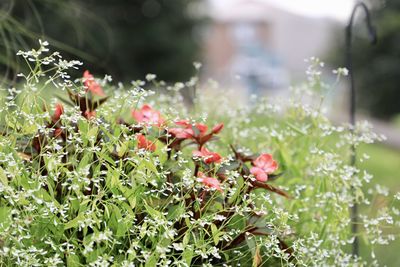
x=377, y=68
x=126, y=39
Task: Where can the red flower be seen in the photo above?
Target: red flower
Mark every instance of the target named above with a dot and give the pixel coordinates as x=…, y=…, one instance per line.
x=200, y=129
x=182, y=133
x=59, y=110
x=148, y=115
x=263, y=165
x=144, y=143
x=217, y=128
x=91, y=85
x=90, y=114
x=197, y=132
x=201, y=136
x=209, y=182
x=208, y=156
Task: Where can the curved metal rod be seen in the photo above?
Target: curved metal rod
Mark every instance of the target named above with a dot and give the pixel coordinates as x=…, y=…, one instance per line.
x=352, y=110
x=349, y=60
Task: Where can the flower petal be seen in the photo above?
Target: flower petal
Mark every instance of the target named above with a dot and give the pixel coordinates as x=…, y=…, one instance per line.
x=59, y=110
x=259, y=174
x=209, y=182
x=217, y=128
x=148, y=115
x=144, y=143
x=91, y=85
x=266, y=162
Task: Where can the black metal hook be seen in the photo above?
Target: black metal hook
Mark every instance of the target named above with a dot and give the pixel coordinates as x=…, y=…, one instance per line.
x=349, y=62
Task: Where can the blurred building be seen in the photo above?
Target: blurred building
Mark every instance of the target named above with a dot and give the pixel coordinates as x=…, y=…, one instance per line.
x=261, y=43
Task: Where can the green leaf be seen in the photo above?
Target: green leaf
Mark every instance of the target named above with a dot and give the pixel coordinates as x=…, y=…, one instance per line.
x=94, y=255
x=114, y=181
x=74, y=222
x=127, y=208
x=150, y=166
x=155, y=214
x=30, y=129
x=237, y=222
x=122, y=148
x=236, y=195
x=108, y=159
x=46, y=197
x=162, y=156
x=176, y=211
x=5, y=218
x=3, y=177
x=73, y=260
x=83, y=127
x=116, y=220
x=85, y=160
x=130, y=195
x=152, y=261
x=186, y=239
x=215, y=233
x=92, y=133
x=187, y=255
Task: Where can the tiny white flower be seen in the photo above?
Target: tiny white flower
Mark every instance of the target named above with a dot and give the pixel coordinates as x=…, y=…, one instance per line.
x=341, y=71
x=150, y=77
x=197, y=65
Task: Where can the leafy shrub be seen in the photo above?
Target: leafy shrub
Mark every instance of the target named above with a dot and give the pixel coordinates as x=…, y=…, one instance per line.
x=108, y=180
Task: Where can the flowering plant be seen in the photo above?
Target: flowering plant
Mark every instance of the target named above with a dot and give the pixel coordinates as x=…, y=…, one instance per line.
x=110, y=180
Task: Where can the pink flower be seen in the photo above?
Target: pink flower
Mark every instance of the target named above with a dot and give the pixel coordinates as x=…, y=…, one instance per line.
x=197, y=132
x=91, y=85
x=144, y=143
x=201, y=129
x=148, y=115
x=186, y=132
x=181, y=133
x=59, y=110
x=262, y=166
x=217, y=128
x=208, y=156
x=190, y=130
x=209, y=182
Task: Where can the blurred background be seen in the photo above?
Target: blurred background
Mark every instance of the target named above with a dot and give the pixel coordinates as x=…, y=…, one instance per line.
x=255, y=45
x=251, y=46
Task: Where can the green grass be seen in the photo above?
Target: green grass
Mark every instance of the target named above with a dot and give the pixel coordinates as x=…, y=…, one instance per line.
x=384, y=165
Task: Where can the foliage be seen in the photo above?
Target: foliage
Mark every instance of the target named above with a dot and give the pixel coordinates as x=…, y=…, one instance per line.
x=108, y=180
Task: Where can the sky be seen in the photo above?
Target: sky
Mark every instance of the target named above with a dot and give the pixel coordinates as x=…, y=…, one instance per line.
x=337, y=9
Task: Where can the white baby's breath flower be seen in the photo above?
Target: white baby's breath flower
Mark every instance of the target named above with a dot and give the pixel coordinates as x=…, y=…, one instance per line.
x=341, y=71
x=197, y=65
x=150, y=77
